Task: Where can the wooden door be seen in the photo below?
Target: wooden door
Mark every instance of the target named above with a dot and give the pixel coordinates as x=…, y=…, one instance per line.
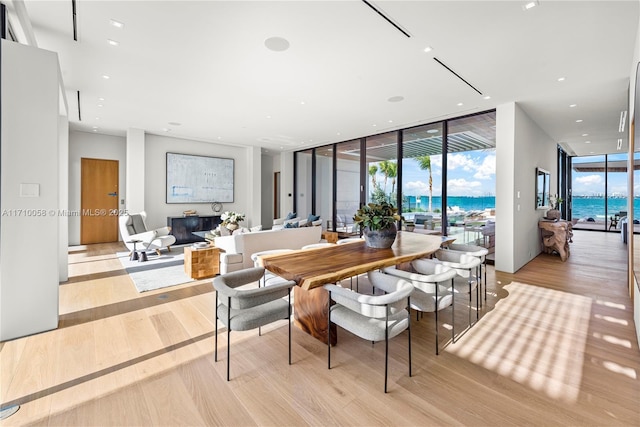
x=98, y=201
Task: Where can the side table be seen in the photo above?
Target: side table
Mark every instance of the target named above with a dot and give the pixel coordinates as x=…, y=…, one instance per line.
x=201, y=263
x=134, y=256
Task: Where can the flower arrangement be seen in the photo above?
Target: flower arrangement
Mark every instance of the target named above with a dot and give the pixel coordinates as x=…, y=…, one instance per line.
x=229, y=217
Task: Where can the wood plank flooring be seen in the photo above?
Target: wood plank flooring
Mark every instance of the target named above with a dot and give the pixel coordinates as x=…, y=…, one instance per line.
x=121, y=358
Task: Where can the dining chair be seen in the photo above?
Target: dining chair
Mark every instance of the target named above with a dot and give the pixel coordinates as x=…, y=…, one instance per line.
x=464, y=265
x=431, y=291
x=269, y=278
x=246, y=309
x=318, y=245
x=481, y=253
x=372, y=317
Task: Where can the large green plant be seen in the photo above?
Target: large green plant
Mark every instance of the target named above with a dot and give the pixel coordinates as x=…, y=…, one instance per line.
x=376, y=216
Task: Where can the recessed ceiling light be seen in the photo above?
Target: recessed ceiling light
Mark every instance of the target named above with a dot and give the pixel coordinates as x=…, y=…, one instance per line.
x=390, y=121
x=100, y=105
x=587, y=142
x=116, y=24
x=561, y=79
x=95, y=130
x=100, y=99
x=591, y=152
x=573, y=105
x=585, y=134
x=112, y=42
x=396, y=98
x=374, y=125
x=268, y=117
x=338, y=133
x=104, y=76
x=428, y=49
x=166, y=129
x=460, y=104
x=302, y=102
x=219, y=137
x=487, y=97
x=175, y=124
x=277, y=44
x=579, y=121
x=95, y=127
x=97, y=118
x=530, y=5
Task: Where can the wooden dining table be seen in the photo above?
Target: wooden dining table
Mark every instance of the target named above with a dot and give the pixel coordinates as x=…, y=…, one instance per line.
x=313, y=268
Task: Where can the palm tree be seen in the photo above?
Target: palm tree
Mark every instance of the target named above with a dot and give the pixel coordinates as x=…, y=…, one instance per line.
x=373, y=170
x=393, y=173
x=424, y=163
x=385, y=165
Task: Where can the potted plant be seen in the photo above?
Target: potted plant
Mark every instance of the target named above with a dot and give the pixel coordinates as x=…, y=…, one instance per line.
x=378, y=223
x=230, y=220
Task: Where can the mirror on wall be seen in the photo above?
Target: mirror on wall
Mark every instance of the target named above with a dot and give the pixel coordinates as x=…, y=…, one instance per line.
x=543, y=178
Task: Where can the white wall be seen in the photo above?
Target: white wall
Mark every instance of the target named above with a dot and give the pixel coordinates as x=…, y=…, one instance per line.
x=92, y=146
x=521, y=146
x=63, y=195
x=135, y=171
x=29, y=226
x=156, y=147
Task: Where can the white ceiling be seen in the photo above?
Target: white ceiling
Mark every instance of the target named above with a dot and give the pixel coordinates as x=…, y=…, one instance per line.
x=204, y=64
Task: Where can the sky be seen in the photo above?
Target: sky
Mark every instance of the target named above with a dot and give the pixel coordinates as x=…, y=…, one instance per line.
x=471, y=173
x=593, y=183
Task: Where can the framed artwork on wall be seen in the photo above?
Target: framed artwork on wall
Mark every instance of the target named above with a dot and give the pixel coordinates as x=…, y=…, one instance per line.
x=199, y=179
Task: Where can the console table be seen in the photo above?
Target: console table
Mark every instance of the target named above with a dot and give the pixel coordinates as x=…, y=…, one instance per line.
x=182, y=227
x=556, y=236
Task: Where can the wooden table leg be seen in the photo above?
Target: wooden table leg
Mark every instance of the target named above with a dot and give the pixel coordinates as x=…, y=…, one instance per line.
x=310, y=313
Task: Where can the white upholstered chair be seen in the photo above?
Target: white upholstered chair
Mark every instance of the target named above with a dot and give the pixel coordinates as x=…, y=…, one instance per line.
x=133, y=227
x=372, y=317
x=479, y=252
x=431, y=291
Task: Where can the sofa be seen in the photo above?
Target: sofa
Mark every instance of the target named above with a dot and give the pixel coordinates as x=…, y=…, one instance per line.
x=239, y=247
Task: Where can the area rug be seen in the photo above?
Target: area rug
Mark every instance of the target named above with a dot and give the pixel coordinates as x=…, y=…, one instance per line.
x=158, y=272
x=535, y=336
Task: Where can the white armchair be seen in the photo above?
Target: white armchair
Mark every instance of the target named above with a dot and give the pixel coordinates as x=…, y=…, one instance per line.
x=133, y=227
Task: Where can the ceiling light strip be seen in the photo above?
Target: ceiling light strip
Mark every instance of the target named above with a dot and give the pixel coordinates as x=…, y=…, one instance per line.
x=623, y=119
x=457, y=75
x=79, y=115
x=386, y=18
x=75, y=22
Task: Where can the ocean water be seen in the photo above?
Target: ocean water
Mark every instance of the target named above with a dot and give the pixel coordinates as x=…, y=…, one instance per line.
x=583, y=207
x=464, y=203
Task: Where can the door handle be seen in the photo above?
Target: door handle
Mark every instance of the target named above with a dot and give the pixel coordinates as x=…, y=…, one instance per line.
x=112, y=194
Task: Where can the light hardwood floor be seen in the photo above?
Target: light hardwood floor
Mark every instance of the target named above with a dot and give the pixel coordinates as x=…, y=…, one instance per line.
x=121, y=358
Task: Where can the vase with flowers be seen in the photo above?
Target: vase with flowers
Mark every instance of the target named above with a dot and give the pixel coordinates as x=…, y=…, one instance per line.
x=231, y=219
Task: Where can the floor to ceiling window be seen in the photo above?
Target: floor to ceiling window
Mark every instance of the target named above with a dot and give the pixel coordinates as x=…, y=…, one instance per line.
x=599, y=191
x=447, y=194
x=382, y=168
x=422, y=175
x=471, y=176
x=588, y=192
x=347, y=184
x=323, y=205
x=303, y=184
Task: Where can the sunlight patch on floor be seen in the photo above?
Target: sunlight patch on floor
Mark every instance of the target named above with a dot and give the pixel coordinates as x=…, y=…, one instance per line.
x=535, y=336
